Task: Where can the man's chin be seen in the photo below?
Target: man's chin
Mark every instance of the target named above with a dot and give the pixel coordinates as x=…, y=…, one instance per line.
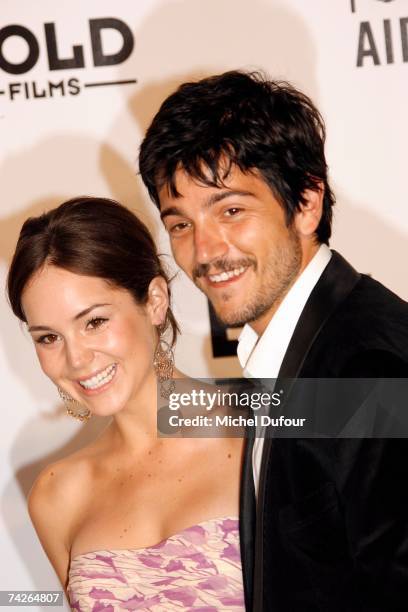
x=228, y=314
x=230, y=319
x=234, y=317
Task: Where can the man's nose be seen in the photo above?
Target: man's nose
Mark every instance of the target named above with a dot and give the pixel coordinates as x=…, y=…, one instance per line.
x=79, y=354
x=209, y=243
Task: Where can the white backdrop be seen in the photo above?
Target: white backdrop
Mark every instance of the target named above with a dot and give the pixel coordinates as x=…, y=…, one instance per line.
x=86, y=142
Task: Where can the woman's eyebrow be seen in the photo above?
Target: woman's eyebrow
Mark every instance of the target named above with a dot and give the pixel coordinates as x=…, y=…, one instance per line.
x=88, y=310
x=76, y=317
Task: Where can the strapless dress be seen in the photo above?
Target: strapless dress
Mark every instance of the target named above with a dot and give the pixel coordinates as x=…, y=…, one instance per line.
x=198, y=569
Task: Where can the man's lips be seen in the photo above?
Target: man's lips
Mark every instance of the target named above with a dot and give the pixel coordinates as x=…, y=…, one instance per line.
x=225, y=278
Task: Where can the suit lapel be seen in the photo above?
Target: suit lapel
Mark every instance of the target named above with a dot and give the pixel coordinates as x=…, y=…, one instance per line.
x=336, y=282
x=247, y=516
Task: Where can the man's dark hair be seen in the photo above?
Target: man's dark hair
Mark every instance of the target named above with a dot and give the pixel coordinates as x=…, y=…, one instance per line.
x=245, y=120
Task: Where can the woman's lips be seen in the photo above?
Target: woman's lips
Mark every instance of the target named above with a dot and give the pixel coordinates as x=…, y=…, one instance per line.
x=99, y=382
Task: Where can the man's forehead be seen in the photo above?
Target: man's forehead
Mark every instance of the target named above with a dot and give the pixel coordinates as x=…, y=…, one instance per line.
x=182, y=183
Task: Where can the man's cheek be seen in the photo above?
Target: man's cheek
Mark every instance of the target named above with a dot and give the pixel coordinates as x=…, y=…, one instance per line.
x=183, y=258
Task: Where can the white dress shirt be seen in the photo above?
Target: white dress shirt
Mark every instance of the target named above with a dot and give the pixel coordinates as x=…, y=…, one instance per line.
x=261, y=357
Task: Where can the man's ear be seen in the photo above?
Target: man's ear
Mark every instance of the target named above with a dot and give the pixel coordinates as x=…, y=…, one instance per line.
x=158, y=300
x=307, y=219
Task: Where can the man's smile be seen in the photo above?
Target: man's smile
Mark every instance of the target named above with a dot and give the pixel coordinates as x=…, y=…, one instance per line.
x=227, y=276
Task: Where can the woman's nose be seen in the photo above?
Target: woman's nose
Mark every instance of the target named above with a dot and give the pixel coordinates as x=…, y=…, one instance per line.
x=79, y=355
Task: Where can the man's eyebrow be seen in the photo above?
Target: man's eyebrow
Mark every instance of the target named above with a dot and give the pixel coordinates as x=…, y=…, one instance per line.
x=76, y=317
x=172, y=210
x=213, y=199
x=221, y=195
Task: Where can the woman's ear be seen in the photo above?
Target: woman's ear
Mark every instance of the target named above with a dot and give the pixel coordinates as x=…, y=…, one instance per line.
x=307, y=219
x=158, y=300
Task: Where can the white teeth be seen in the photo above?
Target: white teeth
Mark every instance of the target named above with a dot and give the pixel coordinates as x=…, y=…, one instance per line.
x=99, y=379
x=218, y=278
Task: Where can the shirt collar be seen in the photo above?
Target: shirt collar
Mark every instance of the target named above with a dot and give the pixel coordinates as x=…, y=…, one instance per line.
x=261, y=357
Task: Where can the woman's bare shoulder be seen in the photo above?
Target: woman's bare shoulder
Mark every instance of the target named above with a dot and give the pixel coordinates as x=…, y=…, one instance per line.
x=58, y=481
x=65, y=485
x=55, y=502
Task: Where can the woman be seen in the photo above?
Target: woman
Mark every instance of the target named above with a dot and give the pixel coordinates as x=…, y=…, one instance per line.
x=130, y=521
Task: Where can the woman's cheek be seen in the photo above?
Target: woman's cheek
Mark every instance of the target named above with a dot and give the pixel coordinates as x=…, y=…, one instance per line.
x=48, y=363
x=123, y=336
x=112, y=340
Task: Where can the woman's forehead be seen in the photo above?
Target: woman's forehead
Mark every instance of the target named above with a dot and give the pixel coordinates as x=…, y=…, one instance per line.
x=54, y=291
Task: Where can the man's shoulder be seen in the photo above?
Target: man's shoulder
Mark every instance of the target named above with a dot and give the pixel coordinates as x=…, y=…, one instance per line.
x=369, y=290
x=370, y=324
x=370, y=307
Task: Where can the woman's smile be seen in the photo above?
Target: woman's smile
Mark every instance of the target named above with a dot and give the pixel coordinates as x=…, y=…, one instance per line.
x=99, y=381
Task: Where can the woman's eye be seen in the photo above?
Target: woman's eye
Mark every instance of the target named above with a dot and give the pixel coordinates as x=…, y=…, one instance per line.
x=96, y=322
x=47, y=339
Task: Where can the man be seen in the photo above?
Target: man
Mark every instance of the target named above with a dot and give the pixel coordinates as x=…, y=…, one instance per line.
x=236, y=165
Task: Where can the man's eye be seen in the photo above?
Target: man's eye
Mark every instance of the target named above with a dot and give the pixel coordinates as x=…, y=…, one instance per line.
x=96, y=322
x=231, y=212
x=178, y=227
x=47, y=339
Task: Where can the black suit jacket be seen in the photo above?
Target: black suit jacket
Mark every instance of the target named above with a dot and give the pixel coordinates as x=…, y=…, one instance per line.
x=330, y=530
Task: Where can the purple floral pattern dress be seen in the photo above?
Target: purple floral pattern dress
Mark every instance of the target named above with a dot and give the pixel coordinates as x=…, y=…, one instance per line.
x=197, y=570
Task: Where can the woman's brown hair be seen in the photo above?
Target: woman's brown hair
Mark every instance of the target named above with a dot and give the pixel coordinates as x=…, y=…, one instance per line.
x=92, y=237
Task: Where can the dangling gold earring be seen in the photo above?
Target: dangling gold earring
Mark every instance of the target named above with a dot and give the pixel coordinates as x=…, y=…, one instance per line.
x=68, y=402
x=164, y=365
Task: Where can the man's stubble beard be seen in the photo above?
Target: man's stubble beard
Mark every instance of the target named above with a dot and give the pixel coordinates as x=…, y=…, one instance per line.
x=280, y=272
